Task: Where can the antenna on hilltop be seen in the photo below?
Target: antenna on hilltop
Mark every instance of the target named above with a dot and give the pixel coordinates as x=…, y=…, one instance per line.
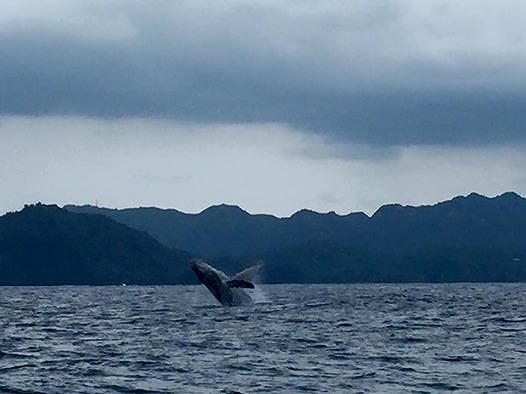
x=97, y=202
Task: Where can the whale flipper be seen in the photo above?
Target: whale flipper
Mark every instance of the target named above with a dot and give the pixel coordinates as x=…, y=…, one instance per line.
x=240, y=283
x=248, y=274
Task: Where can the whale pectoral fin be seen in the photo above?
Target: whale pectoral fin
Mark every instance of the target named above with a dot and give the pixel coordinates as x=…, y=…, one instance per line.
x=240, y=283
x=248, y=273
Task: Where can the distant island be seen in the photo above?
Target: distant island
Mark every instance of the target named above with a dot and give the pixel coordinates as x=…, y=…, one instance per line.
x=467, y=239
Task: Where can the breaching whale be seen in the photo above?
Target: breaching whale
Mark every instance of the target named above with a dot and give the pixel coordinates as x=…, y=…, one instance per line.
x=227, y=290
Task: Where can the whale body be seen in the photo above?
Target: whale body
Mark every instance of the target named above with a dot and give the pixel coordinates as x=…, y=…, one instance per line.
x=227, y=290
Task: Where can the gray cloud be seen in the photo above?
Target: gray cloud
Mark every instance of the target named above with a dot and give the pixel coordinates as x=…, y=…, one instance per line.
x=134, y=162
x=383, y=73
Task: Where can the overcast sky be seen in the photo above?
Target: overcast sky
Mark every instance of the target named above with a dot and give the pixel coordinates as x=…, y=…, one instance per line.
x=271, y=105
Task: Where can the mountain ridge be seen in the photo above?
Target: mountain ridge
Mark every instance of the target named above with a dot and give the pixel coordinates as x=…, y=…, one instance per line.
x=467, y=238
x=234, y=207
x=226, y=230
x=48, y=245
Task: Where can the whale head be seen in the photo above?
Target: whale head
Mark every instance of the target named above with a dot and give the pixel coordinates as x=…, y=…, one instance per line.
x=204, y=272
x=198, y=267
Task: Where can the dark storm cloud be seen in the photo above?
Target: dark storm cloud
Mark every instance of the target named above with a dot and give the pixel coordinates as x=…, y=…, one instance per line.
x=375, y=73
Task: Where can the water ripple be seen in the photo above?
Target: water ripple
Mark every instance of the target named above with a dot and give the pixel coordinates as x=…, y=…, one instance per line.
x=300, y=338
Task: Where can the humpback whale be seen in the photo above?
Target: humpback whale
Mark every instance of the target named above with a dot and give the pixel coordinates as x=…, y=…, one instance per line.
x=227, y=290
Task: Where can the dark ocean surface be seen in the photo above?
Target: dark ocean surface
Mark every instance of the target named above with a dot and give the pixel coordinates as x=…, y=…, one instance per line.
x=297, y=338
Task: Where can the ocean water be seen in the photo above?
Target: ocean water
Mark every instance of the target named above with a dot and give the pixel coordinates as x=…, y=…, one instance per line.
x=296, y=338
